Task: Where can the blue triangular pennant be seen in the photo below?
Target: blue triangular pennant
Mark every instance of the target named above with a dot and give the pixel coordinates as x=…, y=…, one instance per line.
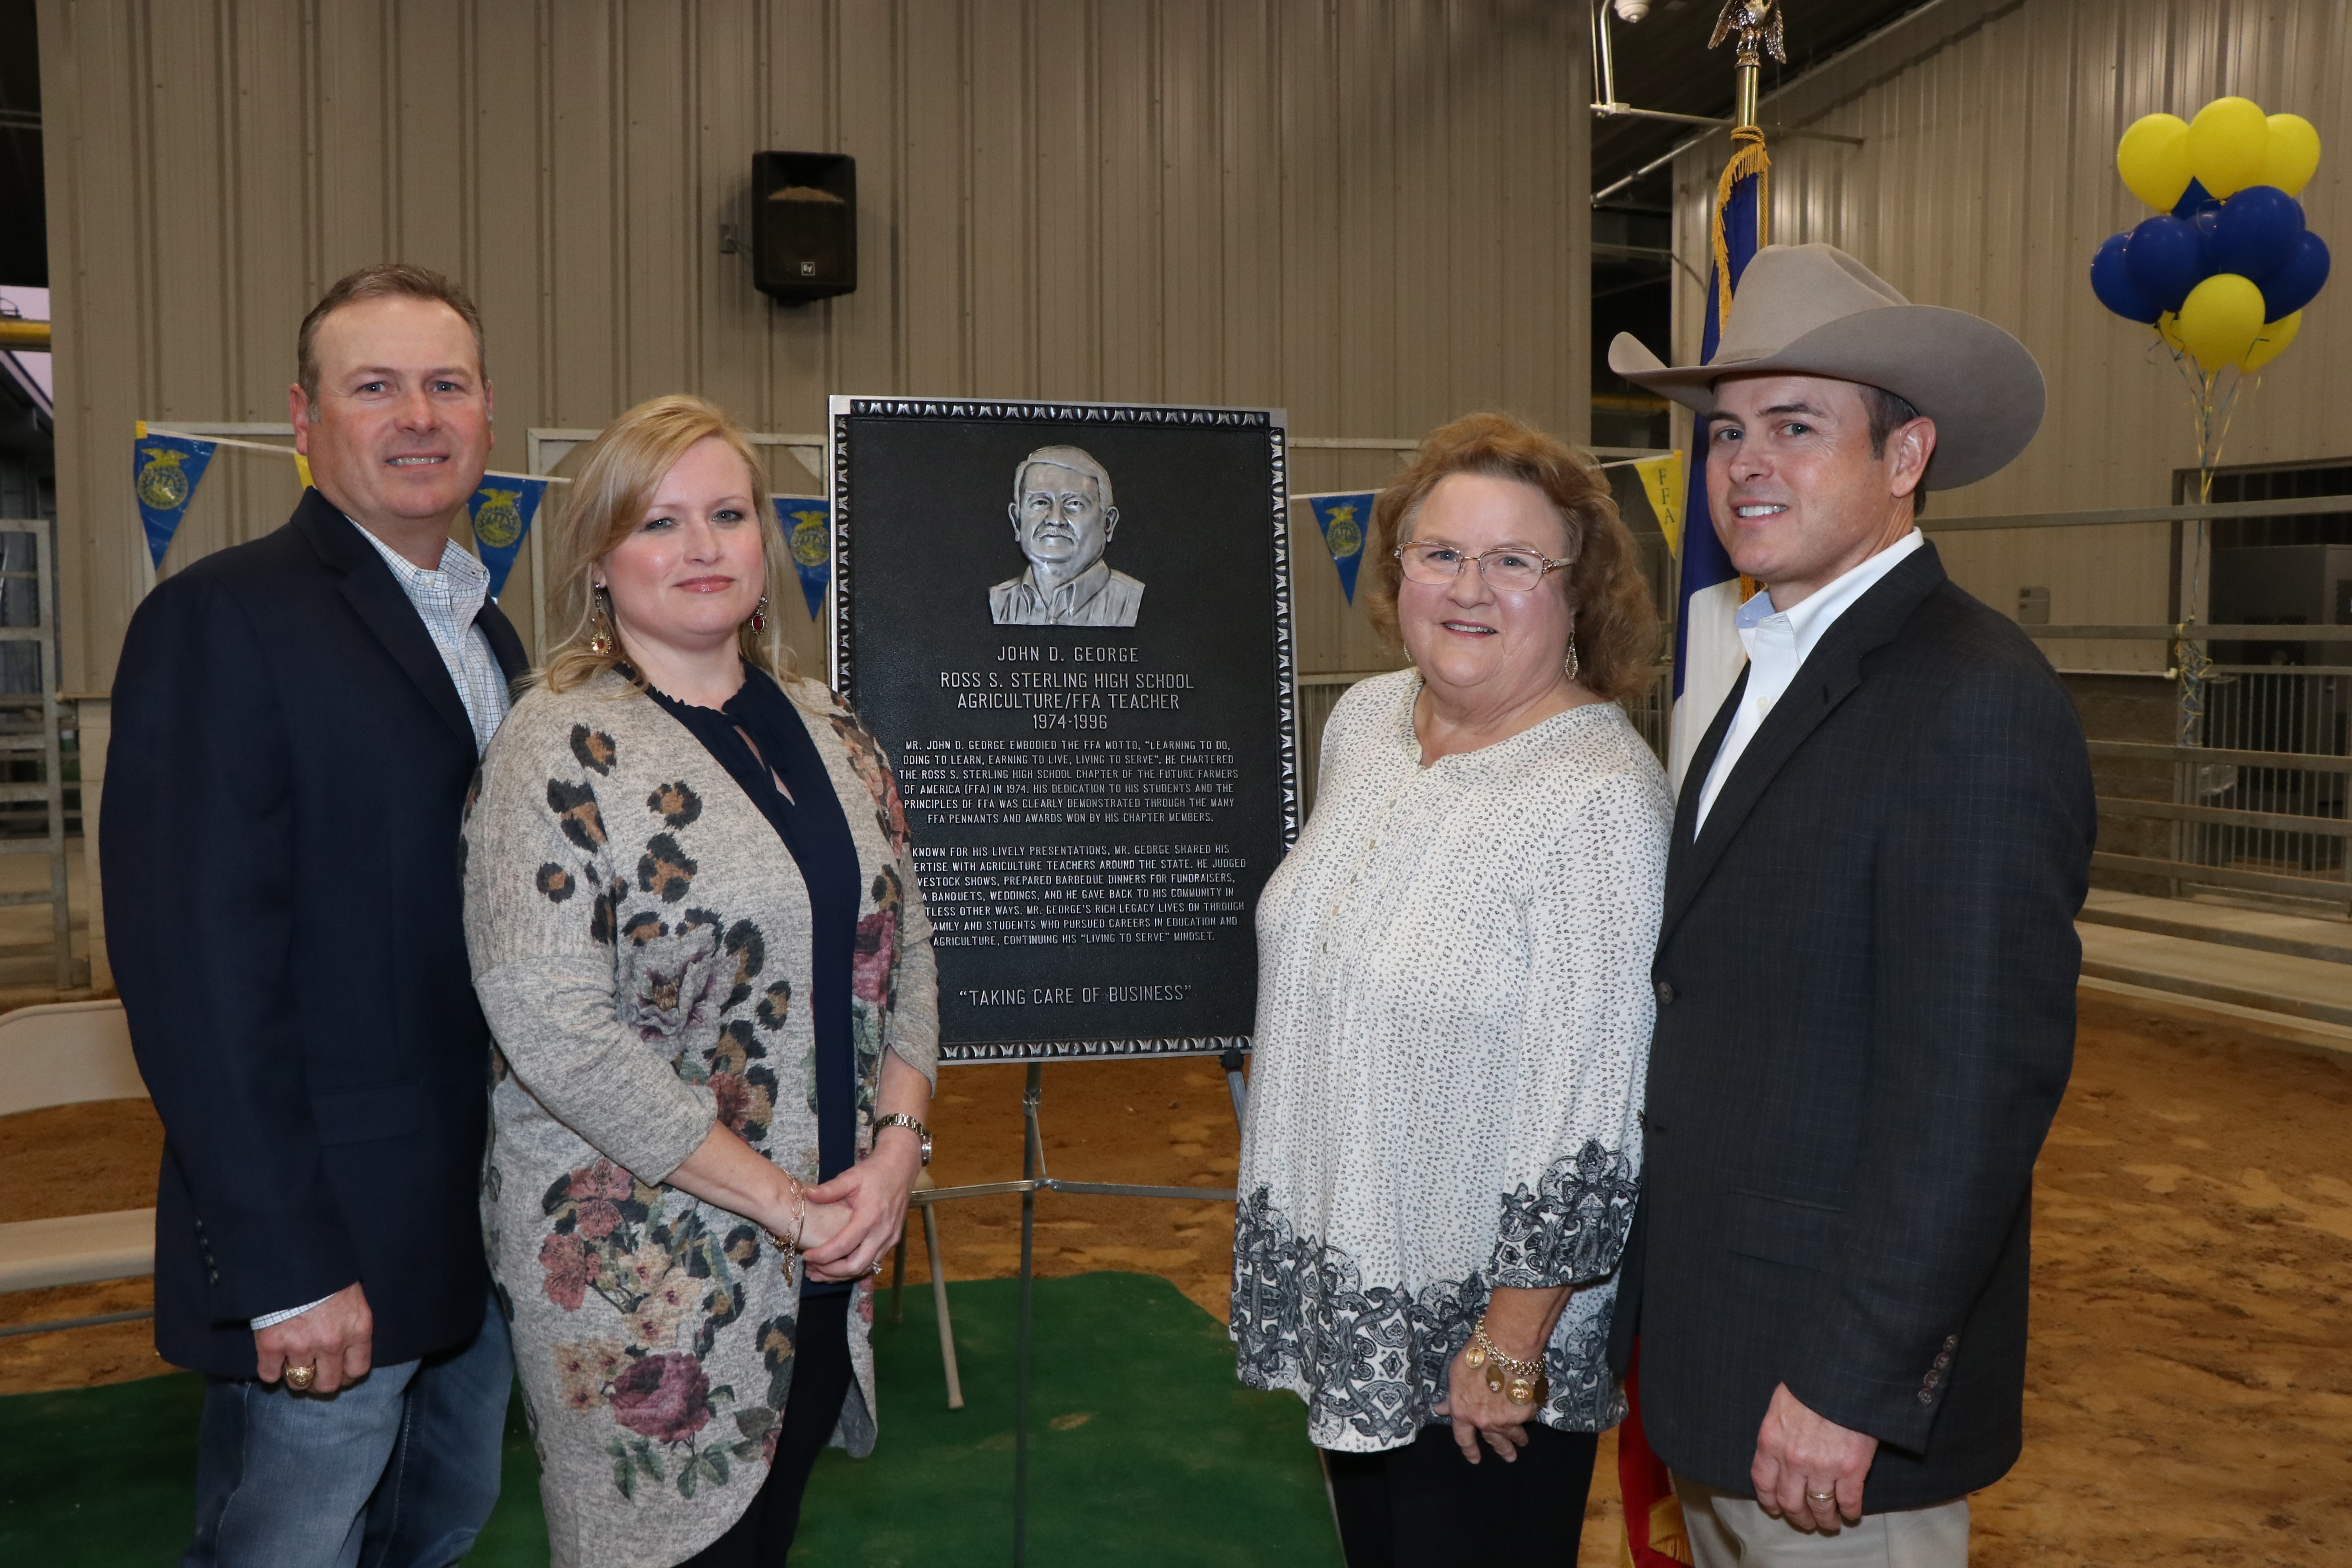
x=807, y=523
x=502, y=510
x=164, y=472
x=1344, y=517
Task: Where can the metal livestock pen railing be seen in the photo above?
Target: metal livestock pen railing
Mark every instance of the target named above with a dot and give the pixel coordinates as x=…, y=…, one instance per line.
x=2256, y=804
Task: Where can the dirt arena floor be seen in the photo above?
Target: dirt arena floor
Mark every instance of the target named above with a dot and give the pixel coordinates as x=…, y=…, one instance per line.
x=2189, y=1399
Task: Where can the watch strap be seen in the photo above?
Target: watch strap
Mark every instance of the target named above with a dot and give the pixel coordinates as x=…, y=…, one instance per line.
x=900, y=1118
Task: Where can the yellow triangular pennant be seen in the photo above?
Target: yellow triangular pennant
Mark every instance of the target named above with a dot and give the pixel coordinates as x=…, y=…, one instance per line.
x=1662, y=481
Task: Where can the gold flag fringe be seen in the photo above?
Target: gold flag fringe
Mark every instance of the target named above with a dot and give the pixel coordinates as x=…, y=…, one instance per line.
x=1748, y=157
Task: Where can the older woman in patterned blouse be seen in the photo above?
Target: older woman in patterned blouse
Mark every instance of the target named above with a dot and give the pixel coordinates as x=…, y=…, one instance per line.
x=1453, y=1020
x=697, y=934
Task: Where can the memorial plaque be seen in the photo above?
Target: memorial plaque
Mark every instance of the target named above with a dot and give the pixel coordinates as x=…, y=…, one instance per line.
x=1069, y=624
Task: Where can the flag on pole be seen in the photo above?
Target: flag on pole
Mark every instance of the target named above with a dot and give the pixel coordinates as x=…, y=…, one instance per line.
x=164, y=473
x=502, y=510
x=1707, y=657
x=807, y=523
x=1707, y=652
x=1343, y=518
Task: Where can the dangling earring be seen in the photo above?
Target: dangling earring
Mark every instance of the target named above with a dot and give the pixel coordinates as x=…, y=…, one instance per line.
x=600, y=643
x=1573, y=664
x=759, y=616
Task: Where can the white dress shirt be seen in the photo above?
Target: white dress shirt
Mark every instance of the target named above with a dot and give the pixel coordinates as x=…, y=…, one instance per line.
x=447, y=600
x=1778, y=644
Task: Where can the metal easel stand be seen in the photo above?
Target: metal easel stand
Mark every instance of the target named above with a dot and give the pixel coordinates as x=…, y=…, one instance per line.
x=1034, y=1180
x=18, y=740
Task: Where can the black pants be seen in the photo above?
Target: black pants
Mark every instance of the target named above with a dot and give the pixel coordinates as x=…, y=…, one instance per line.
x=1426, y=1505
x=821, y=1375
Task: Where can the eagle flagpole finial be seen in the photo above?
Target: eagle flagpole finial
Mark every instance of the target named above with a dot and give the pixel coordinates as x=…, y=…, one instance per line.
x=1758, y=24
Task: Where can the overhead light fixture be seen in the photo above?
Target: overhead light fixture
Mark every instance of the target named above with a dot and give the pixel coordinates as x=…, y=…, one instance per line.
x=1631, y=10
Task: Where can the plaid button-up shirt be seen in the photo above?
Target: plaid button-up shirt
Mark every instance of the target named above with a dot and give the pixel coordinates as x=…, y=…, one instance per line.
x=447, y=600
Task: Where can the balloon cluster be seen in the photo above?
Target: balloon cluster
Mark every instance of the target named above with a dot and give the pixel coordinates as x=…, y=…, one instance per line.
x=2225, y=268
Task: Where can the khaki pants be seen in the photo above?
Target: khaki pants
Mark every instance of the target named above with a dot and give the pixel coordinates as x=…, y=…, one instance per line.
x=1728, y=1531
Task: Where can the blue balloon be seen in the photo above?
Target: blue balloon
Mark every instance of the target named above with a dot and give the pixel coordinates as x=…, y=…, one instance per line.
x=2296, y=281
x=2194, y=197
x=2113, y=284
x=2165, y=258
x=2255, y=232
x=2206, y=221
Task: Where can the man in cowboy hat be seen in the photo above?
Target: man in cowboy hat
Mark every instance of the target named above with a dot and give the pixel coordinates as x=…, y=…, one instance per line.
x=1866, y=971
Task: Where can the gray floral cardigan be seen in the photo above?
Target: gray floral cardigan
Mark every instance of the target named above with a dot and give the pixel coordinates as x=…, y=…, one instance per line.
x=640, y=942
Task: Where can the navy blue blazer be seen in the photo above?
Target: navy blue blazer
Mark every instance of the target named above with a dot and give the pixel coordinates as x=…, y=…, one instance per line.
x=1865, y=977
x=280, y=850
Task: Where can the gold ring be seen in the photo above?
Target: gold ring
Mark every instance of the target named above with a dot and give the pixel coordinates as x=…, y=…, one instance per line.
x=297, y=1378
x=1821, y=1497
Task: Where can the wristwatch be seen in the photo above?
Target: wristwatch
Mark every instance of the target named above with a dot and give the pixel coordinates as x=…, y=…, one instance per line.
x=900, y=1118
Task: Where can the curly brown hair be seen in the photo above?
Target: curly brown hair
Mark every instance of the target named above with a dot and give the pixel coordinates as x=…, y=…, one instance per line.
x=1616, y=626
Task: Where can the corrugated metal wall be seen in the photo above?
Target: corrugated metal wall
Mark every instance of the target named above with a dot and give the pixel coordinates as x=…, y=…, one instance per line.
x=1373, y=213
x=1986, y=179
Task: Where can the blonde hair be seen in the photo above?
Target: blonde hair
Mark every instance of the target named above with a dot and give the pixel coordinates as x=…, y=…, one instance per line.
x=624, y=466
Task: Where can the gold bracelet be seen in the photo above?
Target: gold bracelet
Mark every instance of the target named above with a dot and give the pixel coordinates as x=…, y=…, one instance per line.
x=1525, y=1383
x=791, y=1249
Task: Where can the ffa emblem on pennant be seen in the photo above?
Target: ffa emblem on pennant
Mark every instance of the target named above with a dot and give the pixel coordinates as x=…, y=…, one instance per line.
x=1344, y=537
x=498, y=523
x=1336, y=514
x=162, y=484
x=811, y=547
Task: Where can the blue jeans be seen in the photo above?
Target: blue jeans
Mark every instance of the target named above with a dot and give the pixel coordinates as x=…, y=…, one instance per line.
x=398, y=1470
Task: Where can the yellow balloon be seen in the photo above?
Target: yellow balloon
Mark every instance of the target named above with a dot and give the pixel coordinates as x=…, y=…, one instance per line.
x=2153, y=159
x=2168, y=327
x=2220, y=319
x=2294, y=154
x=2227, y=144
x=2275, y=336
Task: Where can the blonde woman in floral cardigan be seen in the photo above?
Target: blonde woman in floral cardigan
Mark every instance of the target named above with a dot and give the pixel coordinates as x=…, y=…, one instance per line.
x=695, y=928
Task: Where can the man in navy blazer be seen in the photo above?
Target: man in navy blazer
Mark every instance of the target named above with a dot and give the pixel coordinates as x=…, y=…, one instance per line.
x=1866, y=969
x=297, y=719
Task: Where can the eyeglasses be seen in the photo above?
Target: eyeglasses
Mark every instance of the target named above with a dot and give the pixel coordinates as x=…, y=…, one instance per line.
x=1507, y=570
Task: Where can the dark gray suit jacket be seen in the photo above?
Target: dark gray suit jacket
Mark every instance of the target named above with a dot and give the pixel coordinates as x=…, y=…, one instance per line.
x=1866, y=977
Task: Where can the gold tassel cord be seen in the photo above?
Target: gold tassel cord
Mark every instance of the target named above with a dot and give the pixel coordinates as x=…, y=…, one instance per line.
x=1748, y=157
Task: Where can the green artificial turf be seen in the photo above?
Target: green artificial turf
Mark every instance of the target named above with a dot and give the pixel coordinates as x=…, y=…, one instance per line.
x=1143, y=1450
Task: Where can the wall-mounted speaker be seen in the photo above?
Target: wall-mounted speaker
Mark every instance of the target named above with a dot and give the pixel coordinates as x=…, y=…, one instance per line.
x=803, y=225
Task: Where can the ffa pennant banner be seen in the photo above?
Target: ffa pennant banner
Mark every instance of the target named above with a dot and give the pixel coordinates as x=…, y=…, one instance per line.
x=502, y=510
x=1662, y=481
x=1344, y=517
x=164, y=471
x=807, y=523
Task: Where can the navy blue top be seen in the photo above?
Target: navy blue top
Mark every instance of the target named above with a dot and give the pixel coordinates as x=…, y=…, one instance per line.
x=815, y=829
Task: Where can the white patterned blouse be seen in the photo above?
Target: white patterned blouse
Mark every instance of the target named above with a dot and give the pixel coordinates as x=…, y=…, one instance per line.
x=1454, y=1022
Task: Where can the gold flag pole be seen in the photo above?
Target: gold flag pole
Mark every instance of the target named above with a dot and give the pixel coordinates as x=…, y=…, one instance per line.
x=1757, y=25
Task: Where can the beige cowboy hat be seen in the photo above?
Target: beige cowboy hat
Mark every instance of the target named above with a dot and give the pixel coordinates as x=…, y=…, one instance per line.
x=1812, y=310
